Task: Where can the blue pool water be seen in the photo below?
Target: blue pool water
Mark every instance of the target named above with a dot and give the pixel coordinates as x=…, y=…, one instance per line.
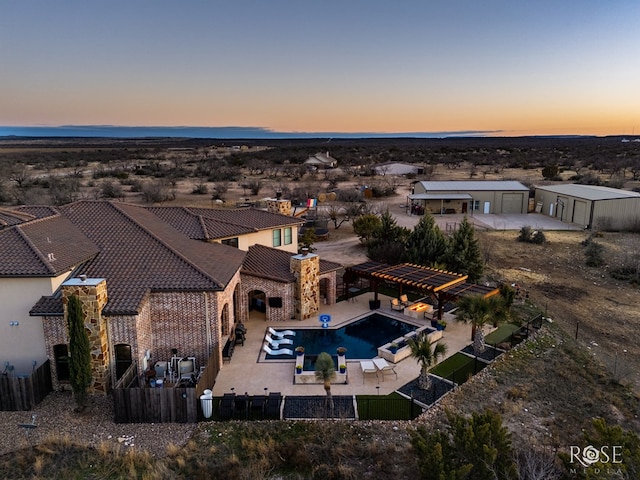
x=361, y=338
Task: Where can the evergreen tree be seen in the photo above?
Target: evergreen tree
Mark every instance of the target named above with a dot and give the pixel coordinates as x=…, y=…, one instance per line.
x=365, y=225
x=388, y=242
x=426, y=244
x=80, y=352
x=478, y=447
x=463, y=253
x=307, y=240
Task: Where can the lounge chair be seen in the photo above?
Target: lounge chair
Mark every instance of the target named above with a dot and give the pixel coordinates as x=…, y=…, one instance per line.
x=404, y=300
x=281, y=333
x=277, y=342
x=395, y=305
x=384, y=367
x=368, y=366
x=279, y=351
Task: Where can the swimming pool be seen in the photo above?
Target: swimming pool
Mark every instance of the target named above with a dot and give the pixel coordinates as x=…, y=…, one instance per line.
x=361, y=337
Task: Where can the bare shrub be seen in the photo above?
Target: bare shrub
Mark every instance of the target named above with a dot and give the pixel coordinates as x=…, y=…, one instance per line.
x=536, y=465
x=200, y=188
x=349, y=195
x=157, y=191
x=111, y=189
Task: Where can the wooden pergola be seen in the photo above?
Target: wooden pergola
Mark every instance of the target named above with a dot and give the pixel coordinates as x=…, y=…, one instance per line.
x=444, y=285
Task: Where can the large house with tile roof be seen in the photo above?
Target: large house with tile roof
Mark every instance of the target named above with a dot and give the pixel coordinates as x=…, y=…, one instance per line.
x=151, y=279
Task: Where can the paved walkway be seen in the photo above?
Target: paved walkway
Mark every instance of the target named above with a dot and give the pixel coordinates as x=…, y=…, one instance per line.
x=247, y=372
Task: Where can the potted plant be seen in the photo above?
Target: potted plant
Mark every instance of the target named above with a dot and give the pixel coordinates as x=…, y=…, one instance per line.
x=299, y=351
x=442, y=325
x=393, y=348
x=341, y=351
x=298, y=369
x=343, y=368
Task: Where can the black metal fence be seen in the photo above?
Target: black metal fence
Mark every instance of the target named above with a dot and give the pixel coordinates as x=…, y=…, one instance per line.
x=315, y=407
x=388, y=408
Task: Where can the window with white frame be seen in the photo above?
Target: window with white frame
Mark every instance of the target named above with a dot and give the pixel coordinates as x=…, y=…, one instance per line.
x=288, y=237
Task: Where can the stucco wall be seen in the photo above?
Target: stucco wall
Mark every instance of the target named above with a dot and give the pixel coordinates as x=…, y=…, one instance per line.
x=21, y=344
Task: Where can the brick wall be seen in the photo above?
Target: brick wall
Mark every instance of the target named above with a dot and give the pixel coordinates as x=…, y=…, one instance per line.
x=271, y=288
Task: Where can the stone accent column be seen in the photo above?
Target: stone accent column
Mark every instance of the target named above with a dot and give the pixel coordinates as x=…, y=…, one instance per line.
x=306, y=268
x=276, y=205
x=92, y=293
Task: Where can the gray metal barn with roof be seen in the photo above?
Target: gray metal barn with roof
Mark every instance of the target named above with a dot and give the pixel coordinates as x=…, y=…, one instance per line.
x=590, y=205
x=477, y=196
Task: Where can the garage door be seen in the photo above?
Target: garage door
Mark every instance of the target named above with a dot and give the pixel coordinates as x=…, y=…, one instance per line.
x=512, y=202
x=580, y=212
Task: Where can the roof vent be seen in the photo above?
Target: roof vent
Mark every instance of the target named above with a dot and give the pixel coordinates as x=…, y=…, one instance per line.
x=304, y=251
x=83, y=278
x=51, y=257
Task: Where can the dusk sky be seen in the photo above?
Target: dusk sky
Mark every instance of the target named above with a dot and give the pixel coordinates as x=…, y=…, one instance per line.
x=492, y=67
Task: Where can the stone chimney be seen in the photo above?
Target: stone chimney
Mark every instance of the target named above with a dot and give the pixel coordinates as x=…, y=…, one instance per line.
x=278, y=205
x=92, y=293
x=306, y=268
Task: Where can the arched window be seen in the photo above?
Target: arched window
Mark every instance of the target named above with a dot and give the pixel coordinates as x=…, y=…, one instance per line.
x=225, y=319
x=61, y=357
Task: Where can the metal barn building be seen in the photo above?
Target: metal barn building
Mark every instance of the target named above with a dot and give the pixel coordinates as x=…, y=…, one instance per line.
x=590, y=205
x=490, y=196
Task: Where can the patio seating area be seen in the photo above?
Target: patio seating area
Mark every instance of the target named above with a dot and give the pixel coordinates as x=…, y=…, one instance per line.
x=250, y=373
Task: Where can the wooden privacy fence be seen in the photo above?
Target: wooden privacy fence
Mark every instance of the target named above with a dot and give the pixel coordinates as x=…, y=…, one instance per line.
x=24, y=393
x=155, y=405
x=208, y=376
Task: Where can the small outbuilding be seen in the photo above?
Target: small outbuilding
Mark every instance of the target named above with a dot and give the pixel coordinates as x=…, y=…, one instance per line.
x=481, y=196
x=590, y=205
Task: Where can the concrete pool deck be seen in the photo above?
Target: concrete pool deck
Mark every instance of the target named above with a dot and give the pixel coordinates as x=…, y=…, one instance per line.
x=248, y=372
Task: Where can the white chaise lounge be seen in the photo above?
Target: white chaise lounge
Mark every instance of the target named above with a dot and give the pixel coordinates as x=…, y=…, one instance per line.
x=279, y=351
x=276, y=342
x=384, y=367
x=368, y=366
x=281, y=333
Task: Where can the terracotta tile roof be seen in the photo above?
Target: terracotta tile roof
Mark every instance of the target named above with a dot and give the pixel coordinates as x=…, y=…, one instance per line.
x=208, y=223
x=274, y=264
x=48, y=306
x=45, y=247
x=140, y=253
x=38, y=211
x=267, y=262
x=9, y=218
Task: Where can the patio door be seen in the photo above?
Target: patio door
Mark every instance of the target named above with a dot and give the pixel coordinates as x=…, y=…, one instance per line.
x=487, y=208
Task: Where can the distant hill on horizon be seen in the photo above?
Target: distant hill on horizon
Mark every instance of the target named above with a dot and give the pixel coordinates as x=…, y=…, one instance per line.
x=114, y=131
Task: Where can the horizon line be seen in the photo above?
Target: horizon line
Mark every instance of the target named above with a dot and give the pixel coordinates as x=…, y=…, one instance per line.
x=238, y=132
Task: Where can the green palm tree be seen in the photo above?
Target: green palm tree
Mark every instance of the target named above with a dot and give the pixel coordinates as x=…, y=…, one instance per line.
x=325, y=371
x=480, y=310
x=427, y=354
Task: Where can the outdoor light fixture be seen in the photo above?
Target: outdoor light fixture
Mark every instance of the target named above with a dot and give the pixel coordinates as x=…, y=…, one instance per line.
x=14, y=323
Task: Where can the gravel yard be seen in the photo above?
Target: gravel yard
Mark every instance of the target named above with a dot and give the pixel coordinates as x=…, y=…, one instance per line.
x=55, y=416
